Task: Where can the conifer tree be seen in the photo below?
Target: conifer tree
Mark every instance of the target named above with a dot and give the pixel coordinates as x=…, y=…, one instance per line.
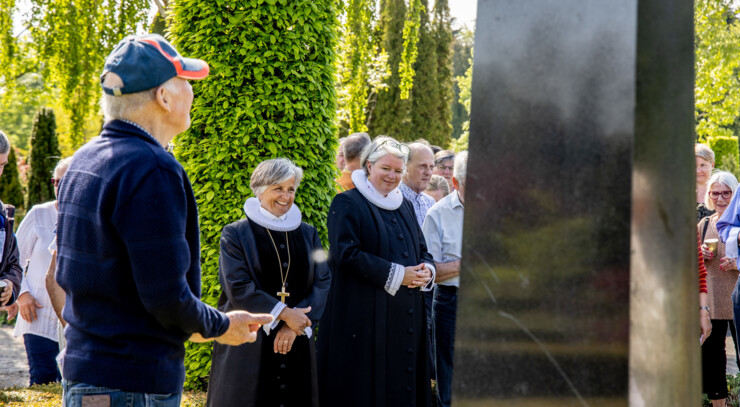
x=10, y=185
x=442, y=33
x=425, y=93
x=43, y=157
x=390, y=115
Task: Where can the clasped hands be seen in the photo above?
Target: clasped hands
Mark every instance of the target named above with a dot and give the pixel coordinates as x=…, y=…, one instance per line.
x=296, y=322
x=416, y=276
x=726, y=263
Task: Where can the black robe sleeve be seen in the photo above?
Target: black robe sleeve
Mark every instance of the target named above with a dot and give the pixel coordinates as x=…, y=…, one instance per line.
x=321, y=280
x=345, y=225
x=236, y=271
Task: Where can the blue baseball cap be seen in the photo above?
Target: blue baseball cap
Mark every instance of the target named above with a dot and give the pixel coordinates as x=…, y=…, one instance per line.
x=147, y=61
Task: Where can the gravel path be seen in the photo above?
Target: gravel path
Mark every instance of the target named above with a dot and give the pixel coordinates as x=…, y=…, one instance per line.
x=13, y=363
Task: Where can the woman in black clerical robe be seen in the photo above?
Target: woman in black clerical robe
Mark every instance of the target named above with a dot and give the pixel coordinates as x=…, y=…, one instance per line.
x=267, y=257
x=372, y=337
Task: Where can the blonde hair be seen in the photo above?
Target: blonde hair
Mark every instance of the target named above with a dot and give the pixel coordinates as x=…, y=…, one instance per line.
x=704, y=152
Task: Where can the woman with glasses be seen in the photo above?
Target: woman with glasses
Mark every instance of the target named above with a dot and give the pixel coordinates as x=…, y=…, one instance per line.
x=722, y=274
x=444, y=162
x=372, y=347
x=38, y=322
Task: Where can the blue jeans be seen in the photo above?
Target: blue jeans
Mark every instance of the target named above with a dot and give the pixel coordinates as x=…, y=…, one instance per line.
x=76, y=393
x=42, y=364
x=444, y=314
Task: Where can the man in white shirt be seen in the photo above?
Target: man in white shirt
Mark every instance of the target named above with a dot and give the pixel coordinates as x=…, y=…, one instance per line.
x=443, y=232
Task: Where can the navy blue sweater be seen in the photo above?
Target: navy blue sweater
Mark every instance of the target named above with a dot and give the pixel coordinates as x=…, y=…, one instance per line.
x=129, y=262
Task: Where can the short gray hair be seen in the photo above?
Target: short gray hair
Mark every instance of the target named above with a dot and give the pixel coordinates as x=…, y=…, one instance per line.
x=704, y=152
x=723, y=177
x=438, y=183
x=62, y=167
x=461, y=166
x=354, y=144
x=273, y=172
x=4, y=143
x=121, y=107
x=418, y=145
x=379, y=148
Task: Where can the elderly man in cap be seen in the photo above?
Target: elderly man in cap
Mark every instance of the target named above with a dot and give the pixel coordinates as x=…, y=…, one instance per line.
x=128, y=239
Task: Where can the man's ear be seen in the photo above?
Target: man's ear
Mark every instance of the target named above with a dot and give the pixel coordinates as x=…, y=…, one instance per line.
x=455, y=183
x=162, y=97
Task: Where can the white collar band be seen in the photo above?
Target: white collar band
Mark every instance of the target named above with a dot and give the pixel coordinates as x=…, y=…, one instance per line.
x=391, y=202
x=286, y=223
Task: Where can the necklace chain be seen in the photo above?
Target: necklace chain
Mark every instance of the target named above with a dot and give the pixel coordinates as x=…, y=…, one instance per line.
x=284, y=279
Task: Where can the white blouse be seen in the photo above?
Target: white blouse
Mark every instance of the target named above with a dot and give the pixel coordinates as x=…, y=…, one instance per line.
x=35, y=234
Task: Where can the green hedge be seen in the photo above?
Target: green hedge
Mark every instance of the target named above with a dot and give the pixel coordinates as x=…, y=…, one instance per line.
x=723, y=146
x=270, y=94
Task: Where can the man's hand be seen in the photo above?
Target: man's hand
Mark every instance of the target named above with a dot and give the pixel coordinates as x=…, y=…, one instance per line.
x=296, y=319
x=7, y=293
x=12, y=311
x=416, y=276
x=284, y=340
x=243, y=327
x=27, y=306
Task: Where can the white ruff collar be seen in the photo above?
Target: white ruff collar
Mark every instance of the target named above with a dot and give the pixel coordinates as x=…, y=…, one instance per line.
x=391, y=202
x=291, y=220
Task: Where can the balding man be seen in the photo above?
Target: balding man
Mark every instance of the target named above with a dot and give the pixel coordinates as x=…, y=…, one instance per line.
x=128, y=238
x=416, y=179
x=352, y=147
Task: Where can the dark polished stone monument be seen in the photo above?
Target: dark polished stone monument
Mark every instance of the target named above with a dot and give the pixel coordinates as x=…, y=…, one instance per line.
x=579, y=284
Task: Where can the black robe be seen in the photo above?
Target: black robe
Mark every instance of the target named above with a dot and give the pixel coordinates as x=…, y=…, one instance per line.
x=250, y=280
x=372, y=346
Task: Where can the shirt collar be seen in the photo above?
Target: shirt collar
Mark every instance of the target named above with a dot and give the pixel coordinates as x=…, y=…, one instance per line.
x=408, y=193
x=455, y=200
x=270, y=216
x=131, y=128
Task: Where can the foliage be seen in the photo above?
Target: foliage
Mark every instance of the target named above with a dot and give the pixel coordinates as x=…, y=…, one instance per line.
x=50, y=395
x=723, y=146
x=410, y=50
x=73, y=41
x=42, y=158
x=717, y=88
x=270, y=94
x=362, y=67
x=733, y=387
x=390, y=111
x=10, y=184
x=462, y=44
x=442, y=33
x=465, y=83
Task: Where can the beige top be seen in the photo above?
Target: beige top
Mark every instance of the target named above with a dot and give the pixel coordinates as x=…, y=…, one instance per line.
x=720, y=284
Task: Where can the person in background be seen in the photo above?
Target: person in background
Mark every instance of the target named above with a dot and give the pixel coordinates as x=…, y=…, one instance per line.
x=438, y=187
x=443, y=232
x=372, y=341
x=352, y=148
x=444, y=161
x=704, y=167
x=339, y=159
x=271, y=262
x=128, y=241
x=722, y=275
x=38, y=322
x=10, y=268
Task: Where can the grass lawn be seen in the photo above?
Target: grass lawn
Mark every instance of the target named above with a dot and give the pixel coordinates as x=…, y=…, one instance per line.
x=51, y=395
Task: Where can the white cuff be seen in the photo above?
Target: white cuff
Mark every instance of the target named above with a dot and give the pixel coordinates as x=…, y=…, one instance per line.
x=731, y=243
x=395, y=278
x=279, y=307
x=431, y=284
x=308, y=331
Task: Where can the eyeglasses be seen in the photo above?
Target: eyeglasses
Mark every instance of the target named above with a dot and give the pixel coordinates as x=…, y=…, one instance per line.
x=403, y=148
x=444, y=167
x=716, y=194
x=55, y=181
